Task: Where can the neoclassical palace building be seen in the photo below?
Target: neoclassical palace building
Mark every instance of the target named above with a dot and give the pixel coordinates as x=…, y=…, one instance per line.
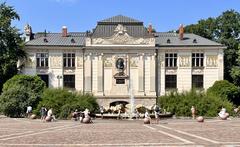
x=122, y=57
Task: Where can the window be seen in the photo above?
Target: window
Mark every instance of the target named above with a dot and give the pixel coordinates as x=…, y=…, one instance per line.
x=44, y=78
x=197, y=81
x=171, y=82
x=69, y=81
x=42, y=59
x=197, y=59
x=171, y=60
x=69, y=60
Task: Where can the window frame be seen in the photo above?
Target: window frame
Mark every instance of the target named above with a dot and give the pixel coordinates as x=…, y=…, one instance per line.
x=196, y=82
x=69, y=60
x=197, y=59
x=69, y=84
x=42, y=60
x=169, y=82
x=171, y=60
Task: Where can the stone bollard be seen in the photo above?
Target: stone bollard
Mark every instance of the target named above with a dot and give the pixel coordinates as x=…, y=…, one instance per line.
x=200, y=119
x=86, y=120
x=48, y=119
x=146, y=121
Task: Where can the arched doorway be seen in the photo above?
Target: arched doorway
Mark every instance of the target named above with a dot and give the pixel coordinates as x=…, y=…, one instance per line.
x=124, y=103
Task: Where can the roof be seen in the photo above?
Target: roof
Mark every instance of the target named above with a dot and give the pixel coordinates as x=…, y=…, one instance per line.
x=106, y=27
x=172, y=39
x=56, y=39
x=120, y=19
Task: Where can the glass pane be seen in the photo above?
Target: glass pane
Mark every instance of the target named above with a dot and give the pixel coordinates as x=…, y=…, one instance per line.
x=64, y=63
x=46, y=60
x=73, y=55
x=73, y=62
x=166, y=55
x=64, y=55
x=69, y=55
x=38, y=62
x=202, y=62
x=69, y=62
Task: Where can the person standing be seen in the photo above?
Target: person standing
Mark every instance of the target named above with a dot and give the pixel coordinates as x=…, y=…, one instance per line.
x=43, y=112
x=156, y=112
x=101, y=111
x=29, y=111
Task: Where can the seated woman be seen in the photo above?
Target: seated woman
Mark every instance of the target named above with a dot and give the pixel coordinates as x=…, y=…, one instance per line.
x=222, y=114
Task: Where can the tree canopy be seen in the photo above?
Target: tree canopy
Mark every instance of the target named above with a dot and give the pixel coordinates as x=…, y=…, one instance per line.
x=224, y=29
x=10, y=43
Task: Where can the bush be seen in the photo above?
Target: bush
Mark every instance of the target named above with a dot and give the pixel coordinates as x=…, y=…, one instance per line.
x=64, y=102
x=206, y=105
x=225, y=89
x=18, y=93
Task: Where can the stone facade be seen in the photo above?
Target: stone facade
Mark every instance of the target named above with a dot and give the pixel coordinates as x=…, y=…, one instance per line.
x=109, y=67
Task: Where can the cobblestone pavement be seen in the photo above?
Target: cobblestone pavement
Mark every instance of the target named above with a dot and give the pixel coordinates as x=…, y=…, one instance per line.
x=170, y=132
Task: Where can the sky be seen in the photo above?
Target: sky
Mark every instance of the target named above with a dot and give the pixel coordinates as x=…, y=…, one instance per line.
x=82, y=15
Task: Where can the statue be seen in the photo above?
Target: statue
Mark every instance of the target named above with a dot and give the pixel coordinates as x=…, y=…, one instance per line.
x=193, y=110
x=28, y=29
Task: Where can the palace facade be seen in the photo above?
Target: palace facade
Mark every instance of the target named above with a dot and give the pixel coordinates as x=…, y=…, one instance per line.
x=122, y=57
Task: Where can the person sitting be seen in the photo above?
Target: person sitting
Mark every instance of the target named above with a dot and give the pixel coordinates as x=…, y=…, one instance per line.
x=50, y=114
x=75, y=115
x=222, y=114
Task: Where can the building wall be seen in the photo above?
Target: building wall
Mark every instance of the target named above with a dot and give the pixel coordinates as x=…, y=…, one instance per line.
x=95, y=70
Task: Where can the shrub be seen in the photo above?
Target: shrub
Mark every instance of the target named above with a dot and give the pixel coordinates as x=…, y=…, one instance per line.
x=64, y=102
x=18, y=93
x=225, y=89
x=206, y=105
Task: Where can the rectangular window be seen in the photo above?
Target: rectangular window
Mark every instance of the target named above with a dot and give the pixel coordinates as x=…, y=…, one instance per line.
x=69, y=60
x=171, y=82
x=197, y=81
x=171, y=60
x=69, y=81
x=42, y=60
x=197, y=59
x=44, y=78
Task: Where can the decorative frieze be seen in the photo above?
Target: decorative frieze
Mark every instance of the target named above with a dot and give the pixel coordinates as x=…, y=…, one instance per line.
x=30, y=61
x=134, y=61
x=184, y=61
x=197, y=71
x=56, y=61
x=212, y=61
x=79, y=62
x=108, y=61
x=171, y=71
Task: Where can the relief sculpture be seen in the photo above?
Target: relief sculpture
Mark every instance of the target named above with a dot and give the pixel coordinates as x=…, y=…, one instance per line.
x=122, y=37
x=134, y=62
x=56, y=61
x=184, y=61
x=30, y=62
x=79, y=62
x=212, y=61
x=107, y=62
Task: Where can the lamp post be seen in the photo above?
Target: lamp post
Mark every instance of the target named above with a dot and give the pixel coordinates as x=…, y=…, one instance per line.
x=59, y=77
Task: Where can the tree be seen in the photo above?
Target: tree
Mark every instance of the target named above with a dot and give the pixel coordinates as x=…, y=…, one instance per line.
x=19, y=92
x=10, y=44
x=225, y=89
x=224, y=29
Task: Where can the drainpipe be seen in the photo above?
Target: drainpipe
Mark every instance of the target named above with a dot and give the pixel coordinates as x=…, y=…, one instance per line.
x=83, y=70
x=156, y=74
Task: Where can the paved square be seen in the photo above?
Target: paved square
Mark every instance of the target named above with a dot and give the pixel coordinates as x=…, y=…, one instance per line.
x=171, y=132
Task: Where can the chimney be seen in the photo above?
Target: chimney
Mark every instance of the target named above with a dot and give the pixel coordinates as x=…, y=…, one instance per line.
x=181, y=32
x=64, y=31
x=150, y=29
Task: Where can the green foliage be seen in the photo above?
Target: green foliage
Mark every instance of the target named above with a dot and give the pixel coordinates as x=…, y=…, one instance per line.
x=206, y=105
x=10, y=44
x=224, y=29
x=19, y=92
x=64, y=102
x=225, y=89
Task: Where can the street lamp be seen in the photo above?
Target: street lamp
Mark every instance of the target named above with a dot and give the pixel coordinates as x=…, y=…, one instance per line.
x=59, y=77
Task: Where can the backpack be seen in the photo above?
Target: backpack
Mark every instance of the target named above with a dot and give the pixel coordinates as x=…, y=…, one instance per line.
x=157, y=109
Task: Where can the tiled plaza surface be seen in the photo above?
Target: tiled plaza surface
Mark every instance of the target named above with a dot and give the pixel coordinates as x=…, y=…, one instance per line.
x=168, y=132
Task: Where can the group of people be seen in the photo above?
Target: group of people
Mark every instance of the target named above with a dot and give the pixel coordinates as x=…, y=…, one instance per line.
x=78, y=115
x=47, y=114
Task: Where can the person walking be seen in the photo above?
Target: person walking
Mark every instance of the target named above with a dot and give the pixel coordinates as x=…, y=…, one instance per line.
x=156, y=113
x=43, y=112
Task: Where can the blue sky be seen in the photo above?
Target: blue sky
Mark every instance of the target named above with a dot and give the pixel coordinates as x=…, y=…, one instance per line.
x=82, y=15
